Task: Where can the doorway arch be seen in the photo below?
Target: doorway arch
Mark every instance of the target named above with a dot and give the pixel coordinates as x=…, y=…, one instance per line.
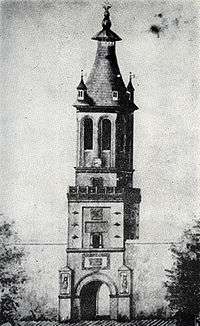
x=89, y=292
x=95, y=301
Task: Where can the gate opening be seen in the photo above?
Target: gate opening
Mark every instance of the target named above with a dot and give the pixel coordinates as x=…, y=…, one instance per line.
x=95, y=301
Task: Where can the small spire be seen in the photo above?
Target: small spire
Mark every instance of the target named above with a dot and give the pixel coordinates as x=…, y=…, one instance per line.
x=130, y=85
x=82, y=85
x=106, y=23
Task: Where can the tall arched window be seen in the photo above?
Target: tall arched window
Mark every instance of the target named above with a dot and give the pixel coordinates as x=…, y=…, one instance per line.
x=88, y=133
x=106, y=134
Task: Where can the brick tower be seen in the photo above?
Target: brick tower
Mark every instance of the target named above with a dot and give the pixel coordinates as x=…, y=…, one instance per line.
x=103, y=206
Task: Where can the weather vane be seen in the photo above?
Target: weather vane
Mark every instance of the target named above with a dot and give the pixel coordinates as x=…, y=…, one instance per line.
x=131, y=75
x=107, y=5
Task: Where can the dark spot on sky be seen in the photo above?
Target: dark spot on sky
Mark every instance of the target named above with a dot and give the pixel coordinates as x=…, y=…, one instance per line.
x=176, y=21
x=159, y=15
x=155, y=30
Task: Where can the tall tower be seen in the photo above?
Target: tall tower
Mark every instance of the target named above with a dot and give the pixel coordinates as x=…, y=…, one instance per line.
x=103, y=206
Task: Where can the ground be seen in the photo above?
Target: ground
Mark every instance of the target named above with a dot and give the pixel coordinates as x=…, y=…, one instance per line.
x=152, y=322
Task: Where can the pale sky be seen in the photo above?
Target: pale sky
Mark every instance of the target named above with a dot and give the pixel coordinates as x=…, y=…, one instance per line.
x=44, y=45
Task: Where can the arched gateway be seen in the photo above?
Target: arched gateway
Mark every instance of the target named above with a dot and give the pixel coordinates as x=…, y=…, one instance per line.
x=103, y=206
x=96, y=295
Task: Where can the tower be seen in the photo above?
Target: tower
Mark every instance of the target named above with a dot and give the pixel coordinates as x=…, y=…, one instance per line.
x=103, y=206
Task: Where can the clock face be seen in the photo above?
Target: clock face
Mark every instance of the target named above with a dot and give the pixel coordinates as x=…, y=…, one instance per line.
x=97, y=162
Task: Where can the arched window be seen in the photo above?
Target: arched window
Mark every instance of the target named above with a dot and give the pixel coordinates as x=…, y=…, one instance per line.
x=106, y=134
x=96, y=240
x=88, y=133
x=80, y=94
x=115, y=95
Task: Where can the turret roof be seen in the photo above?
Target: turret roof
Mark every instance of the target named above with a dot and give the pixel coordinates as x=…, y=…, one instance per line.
x=105, y=76
x=81, y=85
x=130, y=85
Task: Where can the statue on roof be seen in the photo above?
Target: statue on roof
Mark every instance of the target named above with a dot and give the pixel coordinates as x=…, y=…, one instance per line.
x=106, y=23
x=107, y=5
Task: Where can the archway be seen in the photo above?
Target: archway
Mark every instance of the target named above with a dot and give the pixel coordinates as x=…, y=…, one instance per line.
x=89, y=290
x=95, y=301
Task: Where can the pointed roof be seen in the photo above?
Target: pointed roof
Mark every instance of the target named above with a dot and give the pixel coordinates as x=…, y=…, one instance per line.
x=130, y=87
x=106, y=34
x=81, y=85
x=105, y=77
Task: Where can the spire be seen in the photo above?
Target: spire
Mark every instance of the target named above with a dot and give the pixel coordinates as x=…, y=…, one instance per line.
x=82, y=85
x=130, y=87
x=106, y=34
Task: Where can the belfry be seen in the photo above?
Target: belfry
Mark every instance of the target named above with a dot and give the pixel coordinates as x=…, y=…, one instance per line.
x=103, y=206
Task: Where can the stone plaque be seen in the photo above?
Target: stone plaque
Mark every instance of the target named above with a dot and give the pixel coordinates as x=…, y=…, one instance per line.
x=65, y=283
x=124, y=283
x=124, y=275
x=96, y=213
x=92, y=227
x=96, y=261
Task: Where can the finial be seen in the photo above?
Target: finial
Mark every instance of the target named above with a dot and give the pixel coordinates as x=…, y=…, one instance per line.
x=106, y=23
x=107, y=5
x=131, y=76
x=81, y=74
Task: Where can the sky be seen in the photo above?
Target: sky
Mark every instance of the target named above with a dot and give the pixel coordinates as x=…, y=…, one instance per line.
x=44, y=46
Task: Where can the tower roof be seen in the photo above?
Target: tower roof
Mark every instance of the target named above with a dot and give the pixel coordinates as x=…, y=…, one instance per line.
x=105, y=76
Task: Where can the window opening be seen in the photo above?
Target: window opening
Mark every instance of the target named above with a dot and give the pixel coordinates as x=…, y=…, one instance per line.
x=96, y=240
x=106, y=134
x=129, y=95
x=115, y=95
x=80, y=94
x=88, y=134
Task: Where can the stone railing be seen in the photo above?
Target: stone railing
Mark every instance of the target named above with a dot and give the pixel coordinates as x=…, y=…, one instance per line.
x=106, y=193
